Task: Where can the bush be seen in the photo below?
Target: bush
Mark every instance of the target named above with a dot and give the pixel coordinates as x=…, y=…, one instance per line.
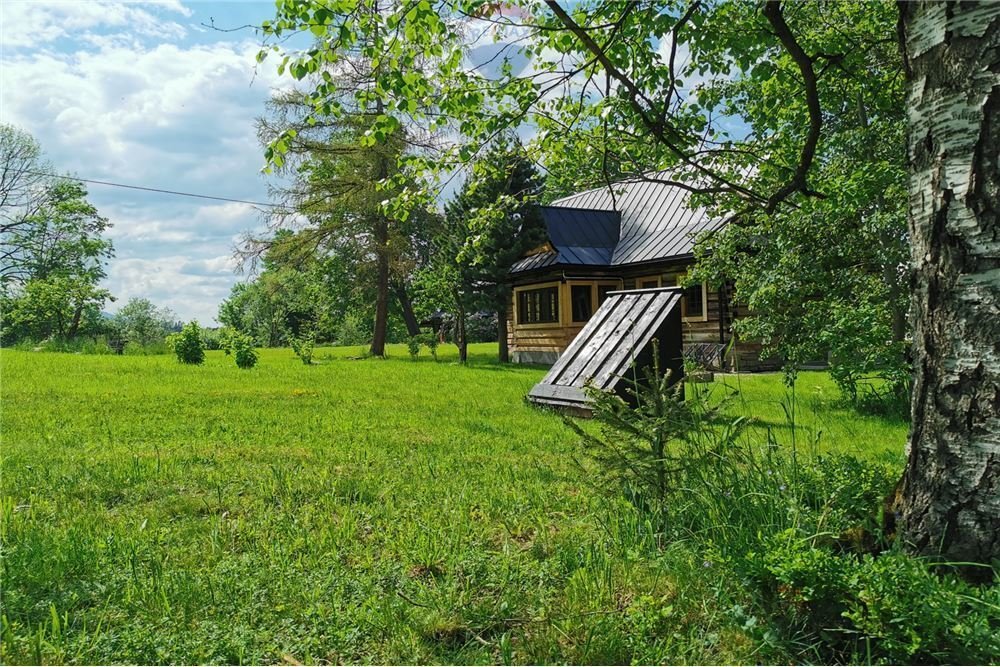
x=353, y=331
x=303, y=347
x=892, y=608
x=243, y=350
x=431, y=341
x=187, y=344
x=798, y=535
x=413, y=346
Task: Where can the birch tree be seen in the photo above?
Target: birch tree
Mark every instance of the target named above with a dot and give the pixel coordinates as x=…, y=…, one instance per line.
x=951, y=489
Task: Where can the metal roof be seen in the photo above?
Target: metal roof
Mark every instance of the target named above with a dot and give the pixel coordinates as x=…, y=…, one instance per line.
x=618, y=335
x=657, y=220
x=579, y=236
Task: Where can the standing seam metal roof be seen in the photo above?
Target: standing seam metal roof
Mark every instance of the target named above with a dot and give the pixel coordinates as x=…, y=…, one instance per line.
x=657, y=220
x=579, y=236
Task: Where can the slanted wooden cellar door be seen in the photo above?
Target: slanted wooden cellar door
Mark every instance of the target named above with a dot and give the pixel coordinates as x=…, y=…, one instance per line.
x=618, y=336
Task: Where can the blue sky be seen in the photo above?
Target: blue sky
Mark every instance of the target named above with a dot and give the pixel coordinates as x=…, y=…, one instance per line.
x=146, y=94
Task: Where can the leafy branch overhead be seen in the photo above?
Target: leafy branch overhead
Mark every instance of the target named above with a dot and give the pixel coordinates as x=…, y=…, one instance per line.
x=617, y=73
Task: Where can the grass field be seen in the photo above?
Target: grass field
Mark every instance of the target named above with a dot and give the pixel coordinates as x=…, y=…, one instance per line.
x=351, y=511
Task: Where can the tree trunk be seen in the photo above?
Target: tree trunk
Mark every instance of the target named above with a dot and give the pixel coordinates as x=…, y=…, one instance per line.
x=504, y=350
x=381, y=287
x=460, y=338
x=406, y=306
x=950, y=495
x=74, y=326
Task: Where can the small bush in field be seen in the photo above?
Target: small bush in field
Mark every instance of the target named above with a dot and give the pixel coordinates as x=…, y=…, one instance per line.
x=413, y=346
x=303, y=347
x=431, y=341
x=188, y=345
x=225, y=338
x=243, y=351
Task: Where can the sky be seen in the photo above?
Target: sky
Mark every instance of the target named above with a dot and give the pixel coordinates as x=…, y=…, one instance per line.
x=149, y=95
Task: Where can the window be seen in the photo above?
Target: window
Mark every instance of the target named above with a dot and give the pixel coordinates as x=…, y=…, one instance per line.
x=602, y=292
x=538, y=306
x=582, y=301
x=694, y=301
x=649, y=283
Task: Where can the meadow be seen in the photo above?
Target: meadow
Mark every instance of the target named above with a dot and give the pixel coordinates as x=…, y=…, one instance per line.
x=355, y=510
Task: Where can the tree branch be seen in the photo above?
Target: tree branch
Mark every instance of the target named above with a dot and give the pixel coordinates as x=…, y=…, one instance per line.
x=798, y=182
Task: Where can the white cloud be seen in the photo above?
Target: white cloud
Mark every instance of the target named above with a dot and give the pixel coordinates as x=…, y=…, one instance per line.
x=112, y=92
x=173, y=282
x=29, y=23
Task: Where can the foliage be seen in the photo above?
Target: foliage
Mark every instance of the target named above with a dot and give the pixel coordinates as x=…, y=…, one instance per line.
x=139, y=322
x=488, y=225
x=340, y=180
x=187, y=344
x=60, y=306
x=430, y=340
x=352, y=330
x=802, y=531
x=788, y=117
x=52, y=248
x=889, y=609
x=649, y=450
x=413, y=346
x=243, y=350
x=480, y=327
x=282, y=303
x=303, y=347
x=217, y=338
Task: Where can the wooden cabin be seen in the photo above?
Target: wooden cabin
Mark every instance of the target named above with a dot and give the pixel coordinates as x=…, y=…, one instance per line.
x=633, y=235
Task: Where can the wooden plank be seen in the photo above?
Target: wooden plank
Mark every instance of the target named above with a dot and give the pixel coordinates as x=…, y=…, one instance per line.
x=645, y=330
x=593, y=340
x=575, y=394
x=634, y=306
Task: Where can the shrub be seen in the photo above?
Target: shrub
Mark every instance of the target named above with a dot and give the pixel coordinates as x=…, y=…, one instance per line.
x=225, y=338
x=890, y=608
x=187, y=344
x=413, y=346
x=303, y=347
x=431, y=341
x=353, y=331
x=243, y=350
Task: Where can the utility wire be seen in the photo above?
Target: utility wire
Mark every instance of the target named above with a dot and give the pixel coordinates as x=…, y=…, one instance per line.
x=167, y=192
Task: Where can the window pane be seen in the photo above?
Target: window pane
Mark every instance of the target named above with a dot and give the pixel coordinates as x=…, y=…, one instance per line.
x=538, y=305
x=602, y=292
x=693, y=302
x=580, y=297
x=649, y=284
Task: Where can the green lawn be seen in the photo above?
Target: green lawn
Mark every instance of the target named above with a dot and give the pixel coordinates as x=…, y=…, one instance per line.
x=357, y=510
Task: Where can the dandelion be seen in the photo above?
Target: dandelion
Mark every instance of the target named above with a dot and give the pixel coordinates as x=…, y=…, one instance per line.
x=781, y=488
x=706, y=563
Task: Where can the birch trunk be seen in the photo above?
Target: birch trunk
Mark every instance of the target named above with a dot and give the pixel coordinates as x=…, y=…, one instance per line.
x=951, y=489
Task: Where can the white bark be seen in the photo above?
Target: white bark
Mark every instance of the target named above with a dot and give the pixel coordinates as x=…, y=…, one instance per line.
x=951, y=492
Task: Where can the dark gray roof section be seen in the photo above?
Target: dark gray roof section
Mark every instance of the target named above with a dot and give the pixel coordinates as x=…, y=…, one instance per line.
x=618, y=335
x=579, y=236
x=657, y=221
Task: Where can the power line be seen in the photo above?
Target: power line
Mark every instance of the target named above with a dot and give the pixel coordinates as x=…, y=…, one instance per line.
x=160, y=190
